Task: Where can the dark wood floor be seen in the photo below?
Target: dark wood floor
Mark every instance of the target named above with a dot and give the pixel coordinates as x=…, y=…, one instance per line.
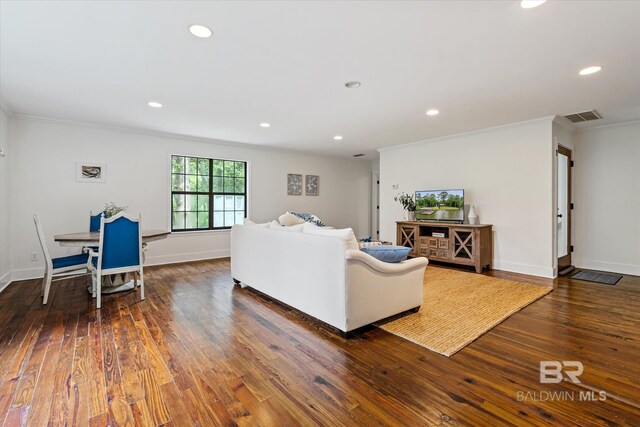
x=201, y=351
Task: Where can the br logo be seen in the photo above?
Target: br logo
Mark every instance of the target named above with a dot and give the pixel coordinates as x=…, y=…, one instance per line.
x=554, y=371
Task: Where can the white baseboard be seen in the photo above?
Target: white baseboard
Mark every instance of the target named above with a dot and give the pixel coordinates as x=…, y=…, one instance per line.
x=37, y=273
x=612, y=267
x=27, y=274
x=5, y=280
x=532, y=270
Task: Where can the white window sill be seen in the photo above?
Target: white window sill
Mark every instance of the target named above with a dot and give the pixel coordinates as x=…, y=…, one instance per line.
x=198, y=232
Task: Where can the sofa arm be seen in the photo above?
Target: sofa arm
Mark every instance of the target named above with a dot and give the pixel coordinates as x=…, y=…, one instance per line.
x=386, y=267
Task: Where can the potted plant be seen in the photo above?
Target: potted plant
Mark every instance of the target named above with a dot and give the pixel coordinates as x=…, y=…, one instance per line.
x=111, y=209
x=408, y=204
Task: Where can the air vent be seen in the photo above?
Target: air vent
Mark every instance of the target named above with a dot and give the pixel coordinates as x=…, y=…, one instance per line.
x=585, y=116
x=358, y=155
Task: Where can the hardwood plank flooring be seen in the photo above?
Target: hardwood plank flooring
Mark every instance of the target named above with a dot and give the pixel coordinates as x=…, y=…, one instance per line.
x=201, y=351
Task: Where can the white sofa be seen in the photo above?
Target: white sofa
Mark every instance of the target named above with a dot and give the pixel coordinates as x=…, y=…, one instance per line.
x=317, y=275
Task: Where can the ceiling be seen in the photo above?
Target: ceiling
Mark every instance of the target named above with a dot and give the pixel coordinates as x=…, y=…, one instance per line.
x=481, y=64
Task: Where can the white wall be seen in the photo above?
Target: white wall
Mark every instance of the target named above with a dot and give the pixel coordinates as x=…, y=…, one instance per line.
x=507, y=173
x=43, y=181
x=607, y=198
x=4, y=200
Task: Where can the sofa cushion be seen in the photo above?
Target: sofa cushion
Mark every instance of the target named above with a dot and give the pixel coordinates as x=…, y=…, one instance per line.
x=288, y=219
x=346, y=234
x=275, y=225
x=247, y=221
x=388, y=253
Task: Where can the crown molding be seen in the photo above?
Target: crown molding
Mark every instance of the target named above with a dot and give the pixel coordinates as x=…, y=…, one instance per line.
x=611, y=125
x=565, y=123
x=177, y=136
x=547, y=119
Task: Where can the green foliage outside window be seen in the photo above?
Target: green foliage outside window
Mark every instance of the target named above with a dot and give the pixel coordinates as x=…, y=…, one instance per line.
x=207, y=194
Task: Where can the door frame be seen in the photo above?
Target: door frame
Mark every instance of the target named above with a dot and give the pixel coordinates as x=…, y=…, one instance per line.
x=375, y=205
x=565, y=262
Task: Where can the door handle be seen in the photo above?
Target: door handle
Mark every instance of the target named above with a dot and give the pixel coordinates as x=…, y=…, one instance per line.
x=559, y=215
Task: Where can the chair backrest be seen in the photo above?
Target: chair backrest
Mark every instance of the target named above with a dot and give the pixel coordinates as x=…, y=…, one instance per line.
x=43, y=244
x=94, y=221
x=120, y=242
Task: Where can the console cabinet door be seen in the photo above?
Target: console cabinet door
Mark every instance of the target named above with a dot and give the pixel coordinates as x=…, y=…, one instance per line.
x=408, y=236
x=462, y=245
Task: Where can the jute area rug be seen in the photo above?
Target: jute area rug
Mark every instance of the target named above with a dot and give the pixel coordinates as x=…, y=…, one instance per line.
x=459, y=307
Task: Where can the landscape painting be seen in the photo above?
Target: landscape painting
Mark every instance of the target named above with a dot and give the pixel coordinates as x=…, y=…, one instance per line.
x=440, y=205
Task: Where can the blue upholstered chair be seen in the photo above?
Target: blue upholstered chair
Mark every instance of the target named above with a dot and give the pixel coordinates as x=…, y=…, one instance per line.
x=94, y=225
x=119, y=251
x=55, y=266
x=94, y=221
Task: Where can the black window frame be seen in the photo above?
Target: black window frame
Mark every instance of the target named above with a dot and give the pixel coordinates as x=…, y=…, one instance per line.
x=210, y=193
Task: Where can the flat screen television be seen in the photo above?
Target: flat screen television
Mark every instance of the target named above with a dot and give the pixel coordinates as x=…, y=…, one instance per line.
x=440, y=205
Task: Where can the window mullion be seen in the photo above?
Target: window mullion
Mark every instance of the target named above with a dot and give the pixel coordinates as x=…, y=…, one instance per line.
x=210, y=194
x=226, y=175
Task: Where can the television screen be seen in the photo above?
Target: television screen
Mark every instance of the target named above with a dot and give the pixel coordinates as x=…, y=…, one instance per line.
x=440, y=205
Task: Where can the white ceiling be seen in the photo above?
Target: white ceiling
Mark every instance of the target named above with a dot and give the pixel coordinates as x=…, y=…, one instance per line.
x=481, y=63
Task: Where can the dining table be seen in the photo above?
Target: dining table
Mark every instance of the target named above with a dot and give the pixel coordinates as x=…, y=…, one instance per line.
x=117, y=282
x=91, y=238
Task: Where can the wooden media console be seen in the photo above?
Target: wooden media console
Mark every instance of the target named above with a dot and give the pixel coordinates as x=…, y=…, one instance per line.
x=463, y=244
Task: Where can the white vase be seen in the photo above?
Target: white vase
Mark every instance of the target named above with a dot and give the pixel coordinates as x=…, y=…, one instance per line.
x=473, y=216
x=410, y=215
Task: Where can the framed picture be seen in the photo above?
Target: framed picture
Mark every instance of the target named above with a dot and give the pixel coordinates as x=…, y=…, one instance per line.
x=294, y=184
x=312, y=185
x=91, y=172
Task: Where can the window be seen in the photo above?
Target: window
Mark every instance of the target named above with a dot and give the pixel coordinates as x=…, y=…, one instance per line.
x=207, y=194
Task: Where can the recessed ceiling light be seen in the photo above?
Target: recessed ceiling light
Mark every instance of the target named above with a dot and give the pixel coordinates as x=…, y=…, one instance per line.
x=530, y=4
x=590, y=70
x=353, y=84
x=265, y=125
x=154, y=104
x=432, y=112
x=338, y=137
x=200, y=31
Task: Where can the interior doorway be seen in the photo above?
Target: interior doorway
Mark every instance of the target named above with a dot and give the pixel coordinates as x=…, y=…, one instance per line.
x=375, y=195
x=564, y=165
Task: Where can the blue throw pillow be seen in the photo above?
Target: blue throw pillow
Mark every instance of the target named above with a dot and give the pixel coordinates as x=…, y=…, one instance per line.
x=388, y=253
x=309, y=218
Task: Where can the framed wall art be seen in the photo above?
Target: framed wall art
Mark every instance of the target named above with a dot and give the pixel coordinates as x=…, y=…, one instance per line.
x=91, y=172
x=312, y=185
x=294, y=184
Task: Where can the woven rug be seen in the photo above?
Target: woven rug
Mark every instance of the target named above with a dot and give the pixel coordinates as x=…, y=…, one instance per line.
x=459, y=307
